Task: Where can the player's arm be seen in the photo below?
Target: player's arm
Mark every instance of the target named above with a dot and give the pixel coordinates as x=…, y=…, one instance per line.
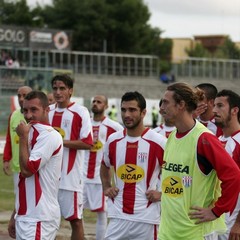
x=11, y=225
x=7, y=153
x=105, y=174
x=23, y=131
x=235, y=230
x=210, y=147
x=77, y=144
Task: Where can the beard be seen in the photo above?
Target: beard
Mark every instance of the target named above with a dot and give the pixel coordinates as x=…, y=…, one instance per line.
x=134, y=124
x=224, y=123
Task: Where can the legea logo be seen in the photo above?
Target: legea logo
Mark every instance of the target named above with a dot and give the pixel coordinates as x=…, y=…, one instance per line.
x=130, y=173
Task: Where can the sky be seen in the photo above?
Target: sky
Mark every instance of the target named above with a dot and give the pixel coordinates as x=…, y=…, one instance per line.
x=188, y=18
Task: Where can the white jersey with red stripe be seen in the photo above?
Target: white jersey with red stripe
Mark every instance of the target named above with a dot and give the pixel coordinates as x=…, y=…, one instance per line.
x=164, y=130
x=136, y=162
x=232, y=146
x=210, y=125
x=73, y=123
x=93, y=158
x=37, y=195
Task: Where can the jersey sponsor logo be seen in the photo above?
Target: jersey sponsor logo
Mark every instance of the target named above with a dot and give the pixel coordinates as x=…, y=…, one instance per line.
x=61, y=131
x=173, y=167
x=130, y=173
x=96, y=146
x=172, y=186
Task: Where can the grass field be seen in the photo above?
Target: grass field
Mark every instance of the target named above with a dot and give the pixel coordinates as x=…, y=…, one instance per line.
x=6, y=190
x=7, y=195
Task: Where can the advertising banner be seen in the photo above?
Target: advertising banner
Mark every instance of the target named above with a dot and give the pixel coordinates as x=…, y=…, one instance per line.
x=49, y=39
x=13, y=36
x=34, y=38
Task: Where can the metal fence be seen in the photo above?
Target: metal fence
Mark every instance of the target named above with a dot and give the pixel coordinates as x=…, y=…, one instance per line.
x=37, y=78
x=207, y=68
x=89, y=62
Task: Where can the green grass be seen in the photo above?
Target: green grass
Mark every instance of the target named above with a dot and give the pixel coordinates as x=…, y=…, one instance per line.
x=6, y=190
x=7, y=195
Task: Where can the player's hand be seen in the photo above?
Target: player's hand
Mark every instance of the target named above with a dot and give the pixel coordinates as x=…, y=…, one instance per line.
x=153, y=195
x=111, y=192
x=11, y=228
x=23, y=129
x=201, y=214
x=7, y=168
x=235, y=232
x=201, y=108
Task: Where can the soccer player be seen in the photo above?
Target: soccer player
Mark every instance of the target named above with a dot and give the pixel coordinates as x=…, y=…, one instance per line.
x=194, y=162
x=227, y=115
x=166, y=127
x=93, y=197
x=74, y=124
x=11, y=149
x=136, y=155
x=37, y=214
x=206, y=117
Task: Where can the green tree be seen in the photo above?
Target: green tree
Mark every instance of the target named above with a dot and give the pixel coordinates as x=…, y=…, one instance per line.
x=119, y=24
x=17, y=13
x=198, y=51
x=228, y=50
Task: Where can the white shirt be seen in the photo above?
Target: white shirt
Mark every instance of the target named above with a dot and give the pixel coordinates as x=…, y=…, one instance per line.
x=136, y=162
x=36, y=197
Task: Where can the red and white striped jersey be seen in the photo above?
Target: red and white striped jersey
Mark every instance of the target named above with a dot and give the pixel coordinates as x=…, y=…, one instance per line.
x=93, y=158
x=37, y=196
x=73, y=123
x=210, y=125
x=136, y=162
x=232, y=146
x=164, y=130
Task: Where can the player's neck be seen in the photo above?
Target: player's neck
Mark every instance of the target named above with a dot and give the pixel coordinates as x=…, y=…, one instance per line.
x=98, y=117
x=136, y=132
x=231, y=129
x=64, y=104
x=185, y=124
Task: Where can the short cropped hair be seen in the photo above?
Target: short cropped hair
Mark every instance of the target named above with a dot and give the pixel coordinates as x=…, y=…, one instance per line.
x=129, y=96
x=39, y=95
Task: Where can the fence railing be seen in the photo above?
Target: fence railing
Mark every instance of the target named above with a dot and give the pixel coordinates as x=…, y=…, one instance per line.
x=90, y=62
x=37, y=78
x=207, y=68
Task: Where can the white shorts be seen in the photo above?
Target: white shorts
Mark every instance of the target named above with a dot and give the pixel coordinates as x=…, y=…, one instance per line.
x=70, y=204
x=93, y=197
x=35, y=230
x=120, y=229
x=212, y=236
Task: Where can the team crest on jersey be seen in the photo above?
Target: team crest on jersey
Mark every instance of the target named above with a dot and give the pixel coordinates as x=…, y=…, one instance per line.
x=66, y=123
x=130, y=173
x=172, y=186
x=61, y=131
x=187, y=181
x=142, y=156
x=97, y=145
